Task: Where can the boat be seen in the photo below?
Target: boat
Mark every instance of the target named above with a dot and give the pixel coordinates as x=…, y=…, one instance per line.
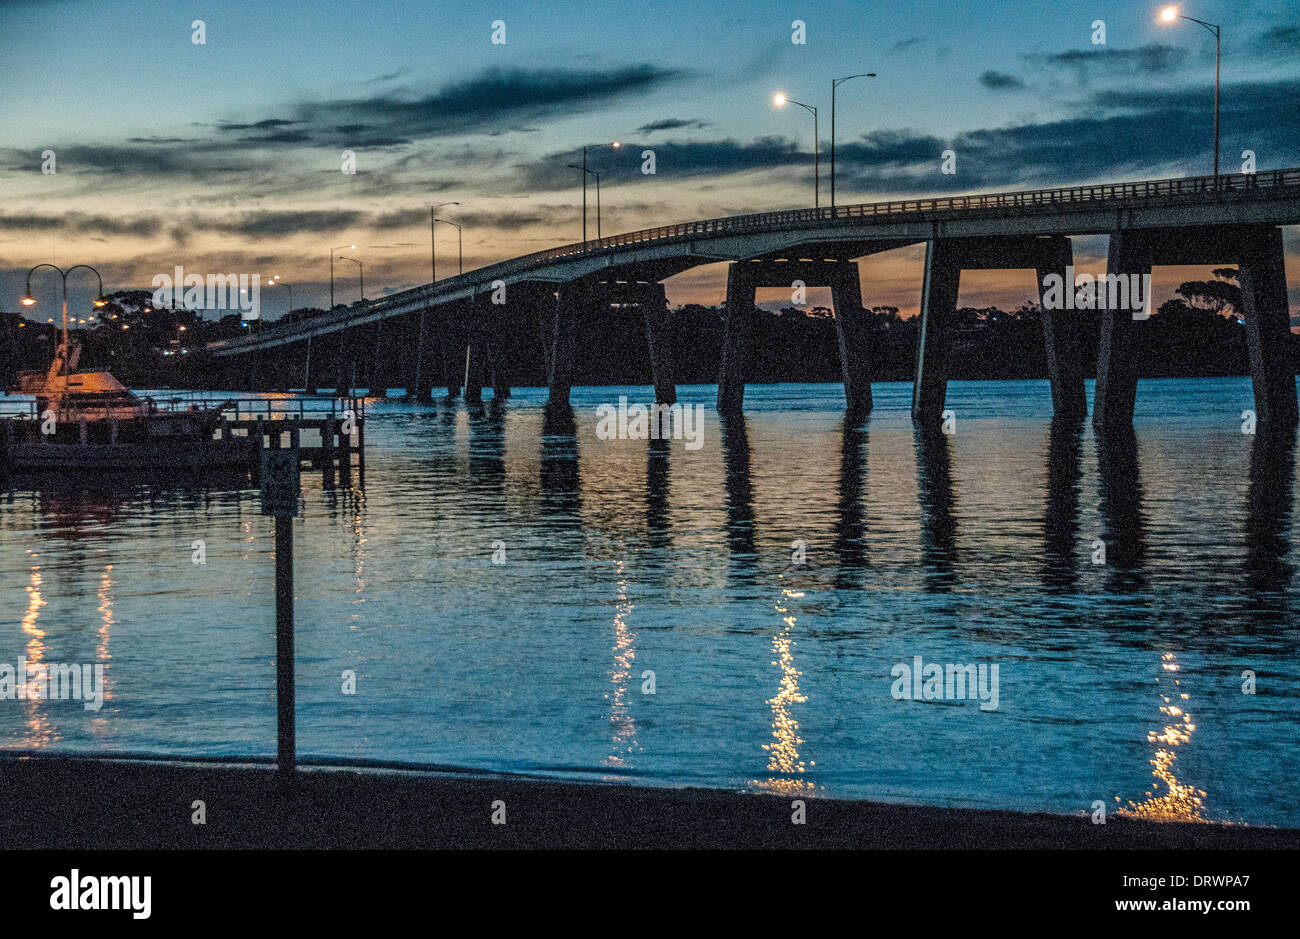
x=89, y=421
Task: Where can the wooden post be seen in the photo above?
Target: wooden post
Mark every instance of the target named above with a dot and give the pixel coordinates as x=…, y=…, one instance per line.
x=327, y=450
x=286, y=748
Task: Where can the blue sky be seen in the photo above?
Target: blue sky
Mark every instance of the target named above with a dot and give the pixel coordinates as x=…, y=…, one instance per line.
x=226, y=156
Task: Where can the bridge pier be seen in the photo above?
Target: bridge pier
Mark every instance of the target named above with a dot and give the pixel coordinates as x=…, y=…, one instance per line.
x=851, y=333
x=938, y=307
x=738, y=334
x=1257, y=252
x=660, y=339
x=1129, y=254
x=1262, y=275
x=945, y=259
x=572, y=306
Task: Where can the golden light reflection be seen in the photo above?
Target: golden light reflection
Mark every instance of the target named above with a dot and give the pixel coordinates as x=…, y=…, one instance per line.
x=1179, y=802
x=783, y=754
x=39, y=729
x=620, y=717
x=105, y=594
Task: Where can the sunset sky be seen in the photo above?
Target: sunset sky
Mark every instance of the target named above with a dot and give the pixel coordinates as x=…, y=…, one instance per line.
x=226, y=156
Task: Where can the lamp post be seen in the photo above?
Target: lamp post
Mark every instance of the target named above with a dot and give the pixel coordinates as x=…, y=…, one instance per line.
x=780, y=100
x=835, y=83
x=361, y=273
x=1169, y=14
x=433, y=250
x=575, y=166
x=29, y=300
x=332, y=250
x=460, y=244
x=614, y=144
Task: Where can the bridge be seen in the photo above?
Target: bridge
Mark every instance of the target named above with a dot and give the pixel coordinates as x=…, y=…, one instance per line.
x=1229, y=219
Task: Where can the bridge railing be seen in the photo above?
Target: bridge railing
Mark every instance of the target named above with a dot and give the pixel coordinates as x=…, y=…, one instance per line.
x=1117, y=195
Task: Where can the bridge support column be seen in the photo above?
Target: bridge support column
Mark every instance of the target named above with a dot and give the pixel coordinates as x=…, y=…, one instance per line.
x=1061, y=342
x=938, y=307
x=572, y=306
x=1117, y=352
x=737, y=335
x=419, y=386
x=1268, y=327
x=477, y=339
x=851, y=331
x=660, y=339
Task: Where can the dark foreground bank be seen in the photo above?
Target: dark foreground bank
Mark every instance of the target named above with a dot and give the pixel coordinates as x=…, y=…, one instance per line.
x=74, y=803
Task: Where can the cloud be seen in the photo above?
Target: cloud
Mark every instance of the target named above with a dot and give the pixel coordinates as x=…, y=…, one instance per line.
x=673, y=159
x=1152, y=59
x=1127, y=133
x=671, y=123
x=1278, y=40
x=1000, y=81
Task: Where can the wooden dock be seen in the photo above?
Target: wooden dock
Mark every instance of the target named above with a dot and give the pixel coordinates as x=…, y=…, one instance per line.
x=329, y=433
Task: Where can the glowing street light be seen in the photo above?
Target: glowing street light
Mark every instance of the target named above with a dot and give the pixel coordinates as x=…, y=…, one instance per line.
x=1171, y=13
x=29, y=300
x=781, y=100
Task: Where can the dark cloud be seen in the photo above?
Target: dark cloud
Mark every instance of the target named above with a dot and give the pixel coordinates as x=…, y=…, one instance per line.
x=141, y=226
x=264, y=224
x=670, y=123
x=904, y=44
x=1278, y=40
x=1127, y=133
x=1000, y=81
x=1152, y=59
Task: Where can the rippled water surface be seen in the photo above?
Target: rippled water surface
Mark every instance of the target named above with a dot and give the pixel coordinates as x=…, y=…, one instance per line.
x=1119, y=681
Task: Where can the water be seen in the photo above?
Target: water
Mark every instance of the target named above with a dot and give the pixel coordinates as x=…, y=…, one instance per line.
x=1117, y=681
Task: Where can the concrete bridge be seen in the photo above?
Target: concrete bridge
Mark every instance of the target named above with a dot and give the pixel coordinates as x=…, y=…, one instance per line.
x=1230, y=219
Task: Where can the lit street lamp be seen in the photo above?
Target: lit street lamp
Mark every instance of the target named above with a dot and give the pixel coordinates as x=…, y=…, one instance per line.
x=781, y=100
x=29, y=300
x=1169, y=15
x=835, y=83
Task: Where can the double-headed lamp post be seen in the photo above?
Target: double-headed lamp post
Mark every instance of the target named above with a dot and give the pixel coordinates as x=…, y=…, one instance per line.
x=613, y=144
x=781, y=100
x=332, y=250
x=29, y=300
x=1169, y=15
x=835, y=83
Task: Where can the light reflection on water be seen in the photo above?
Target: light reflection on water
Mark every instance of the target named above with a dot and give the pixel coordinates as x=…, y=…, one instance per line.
x=623, y=556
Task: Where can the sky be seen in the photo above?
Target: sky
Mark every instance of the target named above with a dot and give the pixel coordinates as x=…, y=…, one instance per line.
x=228, y=156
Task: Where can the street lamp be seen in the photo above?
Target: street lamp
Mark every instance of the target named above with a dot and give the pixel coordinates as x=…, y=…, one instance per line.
x=835, y=83
x=361, y=268
x=1168, y=15
x=29, y=300
x=433, y=251
x=460, y=244
x=332, y=250
x=575, y=166
x=591, y=146
x=781, y=100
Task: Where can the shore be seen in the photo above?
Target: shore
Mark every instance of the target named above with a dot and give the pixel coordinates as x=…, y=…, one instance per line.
x=89, y=804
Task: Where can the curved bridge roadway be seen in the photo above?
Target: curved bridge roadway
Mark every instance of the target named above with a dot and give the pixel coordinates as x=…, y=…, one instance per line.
x=1233, y=219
